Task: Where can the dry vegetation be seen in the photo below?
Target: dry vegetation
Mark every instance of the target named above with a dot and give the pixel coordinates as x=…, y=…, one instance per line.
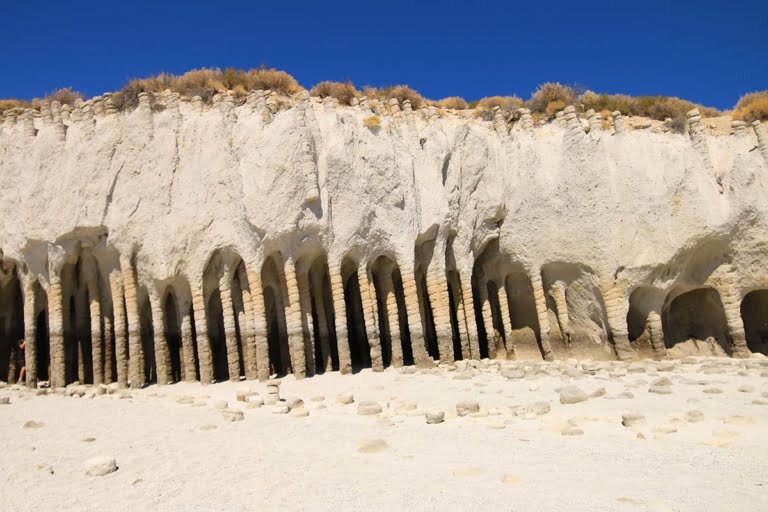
x=451, y=102
x=373, y=123
x=342, y=91
x=65, y=96
x=752, y=107
x=399, y=92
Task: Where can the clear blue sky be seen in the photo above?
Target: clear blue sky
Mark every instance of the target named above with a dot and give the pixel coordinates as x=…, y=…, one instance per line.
x=706, y=51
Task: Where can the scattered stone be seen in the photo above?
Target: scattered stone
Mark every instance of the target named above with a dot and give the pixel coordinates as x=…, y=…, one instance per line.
x=694, y=416
x=515, y=372
x=33, y=424
x=572, y=395
x=368, y=408
x=739, y=420
x=434, y=417
x=539, y=408
x=661, y=390
x=219, y=404
x=255, y=401
x=45, y=467
x=572, y=431
x=345, y=398
x=665, y=366
x=100, y=466
x=299, y=412
x=294, y=403
x=100, y=390
x=5, y=400
x=467, y=407
x=280, y=408
x=232, y=414
x=713, y=391
x=88, y=439
x=463, y=376
x=662, y=381
x=318, y=398
x=665, y=429
x=626, y=394
x=185, y=399
x=597, y=393
x=534, y=387
x=632, y=419
x=242, y=395
x=408, y=370
x=617, y=372
x=372, y=446
x=746, y=388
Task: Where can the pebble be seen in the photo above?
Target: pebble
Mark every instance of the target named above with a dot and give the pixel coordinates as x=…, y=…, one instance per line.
x=33, y=424
x=299, y=412
x=661, y=390
x=572, y=395
x=572, y=431
x=368, y=408
x=632, y=419
x=434, y=417
x=100, y=466
x=5, y=400
x=345, y=398
x=746, y=388
x=467, y=407
x=233, y=414
x=713, y=391
x=280, y=408
x=694, y=416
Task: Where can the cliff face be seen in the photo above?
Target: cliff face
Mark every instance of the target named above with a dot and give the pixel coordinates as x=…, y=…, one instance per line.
x=588, y=237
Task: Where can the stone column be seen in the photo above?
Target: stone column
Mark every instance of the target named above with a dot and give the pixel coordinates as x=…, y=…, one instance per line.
x=731, y=298
x=467, y=308
x=393, y=320
x=230, y=332
x=541, y=314
x=461, y=320
x=162, y=359
x=81, y=326
x=203, y=343
x=616, y=308
x=370, y=314
x=558, y=295
x=136, y=369
x=437, y=289
x=96, y=341
x=762, y=138
x=108, y=348
x=293, y=321
x=495, y=345
x=506, y=320
x=340, y=317
x=56, y=332
x=307, y=325
x=656, y=333
x=418, y=344
x=30, y=333
x=187, y=342
x=245, y=321
x=259, y=322
x=121, y=345
x=322, y=321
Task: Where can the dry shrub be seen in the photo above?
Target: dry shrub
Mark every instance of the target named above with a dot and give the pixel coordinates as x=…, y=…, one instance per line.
x=373, y=123
x=400, y=92
x=752, y=107
x=65, y=96
x=554, y=107
x=551, y=92
x=273, y=79
x=342, y=91
x=8, y=104
x=505, y=103
x=654, y=107
x=452, y=102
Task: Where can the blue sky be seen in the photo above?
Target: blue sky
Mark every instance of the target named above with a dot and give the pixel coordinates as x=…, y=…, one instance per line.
x=706, y=51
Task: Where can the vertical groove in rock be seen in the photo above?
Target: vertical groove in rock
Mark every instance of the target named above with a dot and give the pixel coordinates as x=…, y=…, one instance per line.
x=506, y=320
x=307, y=326
x=318, y=298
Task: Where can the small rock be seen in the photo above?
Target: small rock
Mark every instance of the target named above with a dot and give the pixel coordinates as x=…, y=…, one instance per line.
x=662, y=381
x=617, y=372
x=33, y=424
x=280, y=408
x=665, y=366
x=88, y=439
x=739, y=420
x=632, y=419
x=694, y=416
x=372, y=446
x=408, y=370
x=572, y=395
x=665, y=429
x=294, y=403
x=255, y=401
x=572, y=431
x=713, y=391
x=515, y=372
x=100, y=466
x=232, y=414
x=661, y=390
x=100, y=390
x=435, y=417
x=467, y=407
x=318, y=398
x=45, y=467
x=242, y=395
x=345, y=398
x=746, y=388
x=368, y=408
x=626, y=394
x=539, y=408
x=299, y=412
x=597, y=393
x=759, y=401
x=219, y=404
x=5, y=400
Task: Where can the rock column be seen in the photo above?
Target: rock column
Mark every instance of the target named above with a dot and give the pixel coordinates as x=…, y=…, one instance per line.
x=340, y=316
x=230, y=332
x=370, y=315
x=162, y=359
x=418, y=345
x=108, y=347
x=121, y=345
x=30, y=333
x=203, y=342
x=616, y=308
x=467, y=307
x=437, y=289
x=136, y=370
x=506, y=320
x=731, y=298
x=322, y=321
x=187, y=342
x=96, y=341
x=557, y=292
x=656, y=333
x=245, y=321
x=259, y=322
x=393, y=320
x=542, y=316
x=293, y=321
x=56, y=331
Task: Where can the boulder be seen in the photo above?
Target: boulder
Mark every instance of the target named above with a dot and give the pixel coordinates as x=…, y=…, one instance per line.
x=100, y=466
x=572, y=395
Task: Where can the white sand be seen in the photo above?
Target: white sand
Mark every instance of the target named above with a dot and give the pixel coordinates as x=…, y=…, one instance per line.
x=178, y=456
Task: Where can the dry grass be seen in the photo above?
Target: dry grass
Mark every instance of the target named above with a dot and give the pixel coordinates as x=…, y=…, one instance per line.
x=752, y=107
x=452, y=102
x=373, y=123
x=65, y=96
x=505, y=103
x=342, y=91
x=399, y=92
x=12, y=103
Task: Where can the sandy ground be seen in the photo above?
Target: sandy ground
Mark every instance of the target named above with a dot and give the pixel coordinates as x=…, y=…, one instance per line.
x=176, y=451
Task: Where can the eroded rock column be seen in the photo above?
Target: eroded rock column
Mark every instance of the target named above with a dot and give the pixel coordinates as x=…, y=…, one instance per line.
x=293, y=321
x=467, y=314
x=340, y=317
x=437, y=289
x=203, y=342
x=418, y=344
x=506, y=320
x=136, y=370
x=96, y=341
x=656, y=334
x=259, y=322
x=121, y=344
x=390, y=302
x=541, y=315
x=731, y=298
x=230, y=331
x=187, y=342
x=108, y=348
x=162, y=358
x=495, y=345
x=56, y=331
x=616, y=308
x=370, y=315
x=322, y=322
x=557, y=292
x=30, y=333
x=245, y=321
x=307, y=325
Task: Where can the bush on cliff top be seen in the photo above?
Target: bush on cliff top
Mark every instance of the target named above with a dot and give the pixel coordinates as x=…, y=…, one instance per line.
x=65, y=96
x=342, y=91
x=752, y=107
x=399, y=92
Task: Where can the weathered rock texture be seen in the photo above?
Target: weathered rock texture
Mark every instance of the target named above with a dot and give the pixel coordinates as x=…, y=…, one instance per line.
x=181, y=241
